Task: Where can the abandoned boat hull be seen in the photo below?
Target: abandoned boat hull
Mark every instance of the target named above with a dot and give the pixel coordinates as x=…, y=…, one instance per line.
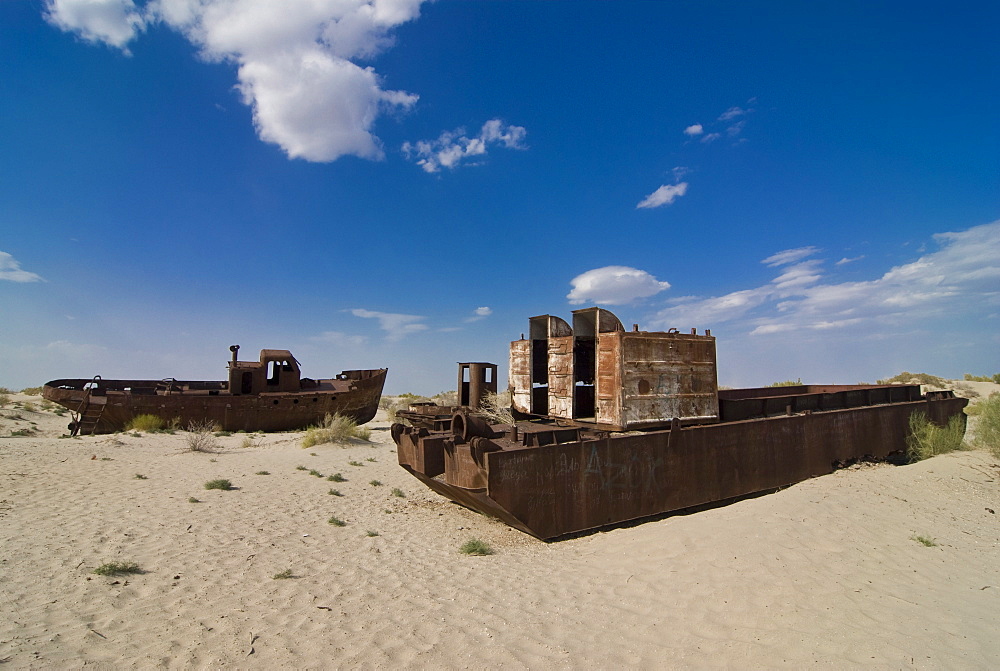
x=600, y=478
x=114, y=403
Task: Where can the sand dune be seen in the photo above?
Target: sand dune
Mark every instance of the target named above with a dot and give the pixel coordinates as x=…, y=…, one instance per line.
x=824, y=573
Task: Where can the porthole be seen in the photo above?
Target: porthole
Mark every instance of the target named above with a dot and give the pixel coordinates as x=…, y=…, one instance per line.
x=643, y=387
x=275, y=402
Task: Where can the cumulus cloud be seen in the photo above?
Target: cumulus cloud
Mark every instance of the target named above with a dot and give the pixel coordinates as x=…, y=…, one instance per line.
x=10, y=270
x=397, y=326
x=665, y=195
x=295, y=60
x=694, y=129
x=480, y=313
x=614, y=285
x=962, y=276
x=454, y=147
x=114, y=22
x=711, y=137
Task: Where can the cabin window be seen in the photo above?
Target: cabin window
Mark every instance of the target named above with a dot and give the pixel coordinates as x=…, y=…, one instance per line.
x=273, y=372
x=246, y=383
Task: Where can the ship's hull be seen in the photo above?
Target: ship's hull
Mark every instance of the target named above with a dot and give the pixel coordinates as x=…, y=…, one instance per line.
x=549, y=480
x=114, y=403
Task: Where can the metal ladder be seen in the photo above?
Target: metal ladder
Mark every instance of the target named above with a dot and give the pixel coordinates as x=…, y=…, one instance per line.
x=89, y=412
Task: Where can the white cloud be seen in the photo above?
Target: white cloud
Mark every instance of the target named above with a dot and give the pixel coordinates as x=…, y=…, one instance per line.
x=665, y=195
x=711, y=137
x=10, y=270
x=789, y=256
x=396, y=325
x=454, y=147
x=736, y=128
x=480, y=313
x=340, y=339
x=614, y=285
x=846, y=260
x=694, y=129
x=732, y=113
x=294, y=58
x=961, y=278
x=114, y=22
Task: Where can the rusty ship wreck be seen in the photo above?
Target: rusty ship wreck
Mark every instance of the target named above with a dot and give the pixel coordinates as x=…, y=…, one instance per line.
x=614, y=425
x=265, y=395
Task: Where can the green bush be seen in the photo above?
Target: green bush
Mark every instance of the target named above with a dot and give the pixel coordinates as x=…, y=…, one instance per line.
x=988, y=426
x=474, y=546
x=32, y=391
x=927, y=439
x=117, y=568
x=147, y=423
x=222, y=484
x=915, y=378
x=335, y=429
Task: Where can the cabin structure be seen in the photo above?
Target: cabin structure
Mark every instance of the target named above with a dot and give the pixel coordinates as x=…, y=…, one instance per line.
x=597, y=373
x=277, y=371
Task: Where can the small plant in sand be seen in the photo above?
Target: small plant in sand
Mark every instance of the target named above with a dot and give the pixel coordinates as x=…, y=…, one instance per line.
x=29, y=406
x=335, y=492
x=222, y=483
x=200, y=437
x=315, y=473
x=474, y=546
x=988, y=425
x=301, y=468
x=354, y=463
x=20, y=433
x=371, y=533
x=337, y=522
x=192, y=499
x=396, y=491
x=32, y=391
x=140, y=476
x=118, y=568
x=335, y=429
x=252, y=441
x=375, y=483
x=284, y=575
x=147, y=423
x=496, y=408
x=927, y=439
x=371, y=460
x=4, y=399
x=926, y=541
x=337, y=477
x=263, y=473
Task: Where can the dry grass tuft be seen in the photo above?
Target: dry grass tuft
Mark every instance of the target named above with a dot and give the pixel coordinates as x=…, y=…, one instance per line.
x=335, y=429
x=496, y=408
x=147, y=423
x=988, y=425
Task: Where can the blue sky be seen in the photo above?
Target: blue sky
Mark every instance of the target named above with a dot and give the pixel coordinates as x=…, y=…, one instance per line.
x=404, y=183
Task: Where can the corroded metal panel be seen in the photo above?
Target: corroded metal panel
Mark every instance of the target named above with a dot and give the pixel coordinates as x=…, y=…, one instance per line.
x=561, y=377
x=668, y=375
x=519, y=375
x=608, y=379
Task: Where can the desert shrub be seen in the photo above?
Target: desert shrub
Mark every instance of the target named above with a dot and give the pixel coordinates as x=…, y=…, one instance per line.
x=988, y=426
x=252, y=441
x=969, y=377
x=926, y=541
x=337, y=522
x=927, y=439
x=495, y=408
x=223, y=484
x=335, y=429
x=200, y=437
x=474, y=546
x=337, y=477
x=4, y=399
x=787, y=383
x=915, y=378
x=446, y=398
x=5, y=390
x=284, y=575
x=29, y=406
x=32, y=391
x=396, y=491
x=117, y=568
x=147, y=423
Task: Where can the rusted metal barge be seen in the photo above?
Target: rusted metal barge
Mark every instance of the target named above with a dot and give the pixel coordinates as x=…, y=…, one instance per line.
x=615, y=425
x=265, y=395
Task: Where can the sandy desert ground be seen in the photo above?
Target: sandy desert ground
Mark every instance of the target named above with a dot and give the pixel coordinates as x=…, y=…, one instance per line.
x=825, y=573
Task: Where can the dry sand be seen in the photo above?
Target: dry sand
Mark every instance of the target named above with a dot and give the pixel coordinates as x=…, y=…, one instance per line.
x=826, y=572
